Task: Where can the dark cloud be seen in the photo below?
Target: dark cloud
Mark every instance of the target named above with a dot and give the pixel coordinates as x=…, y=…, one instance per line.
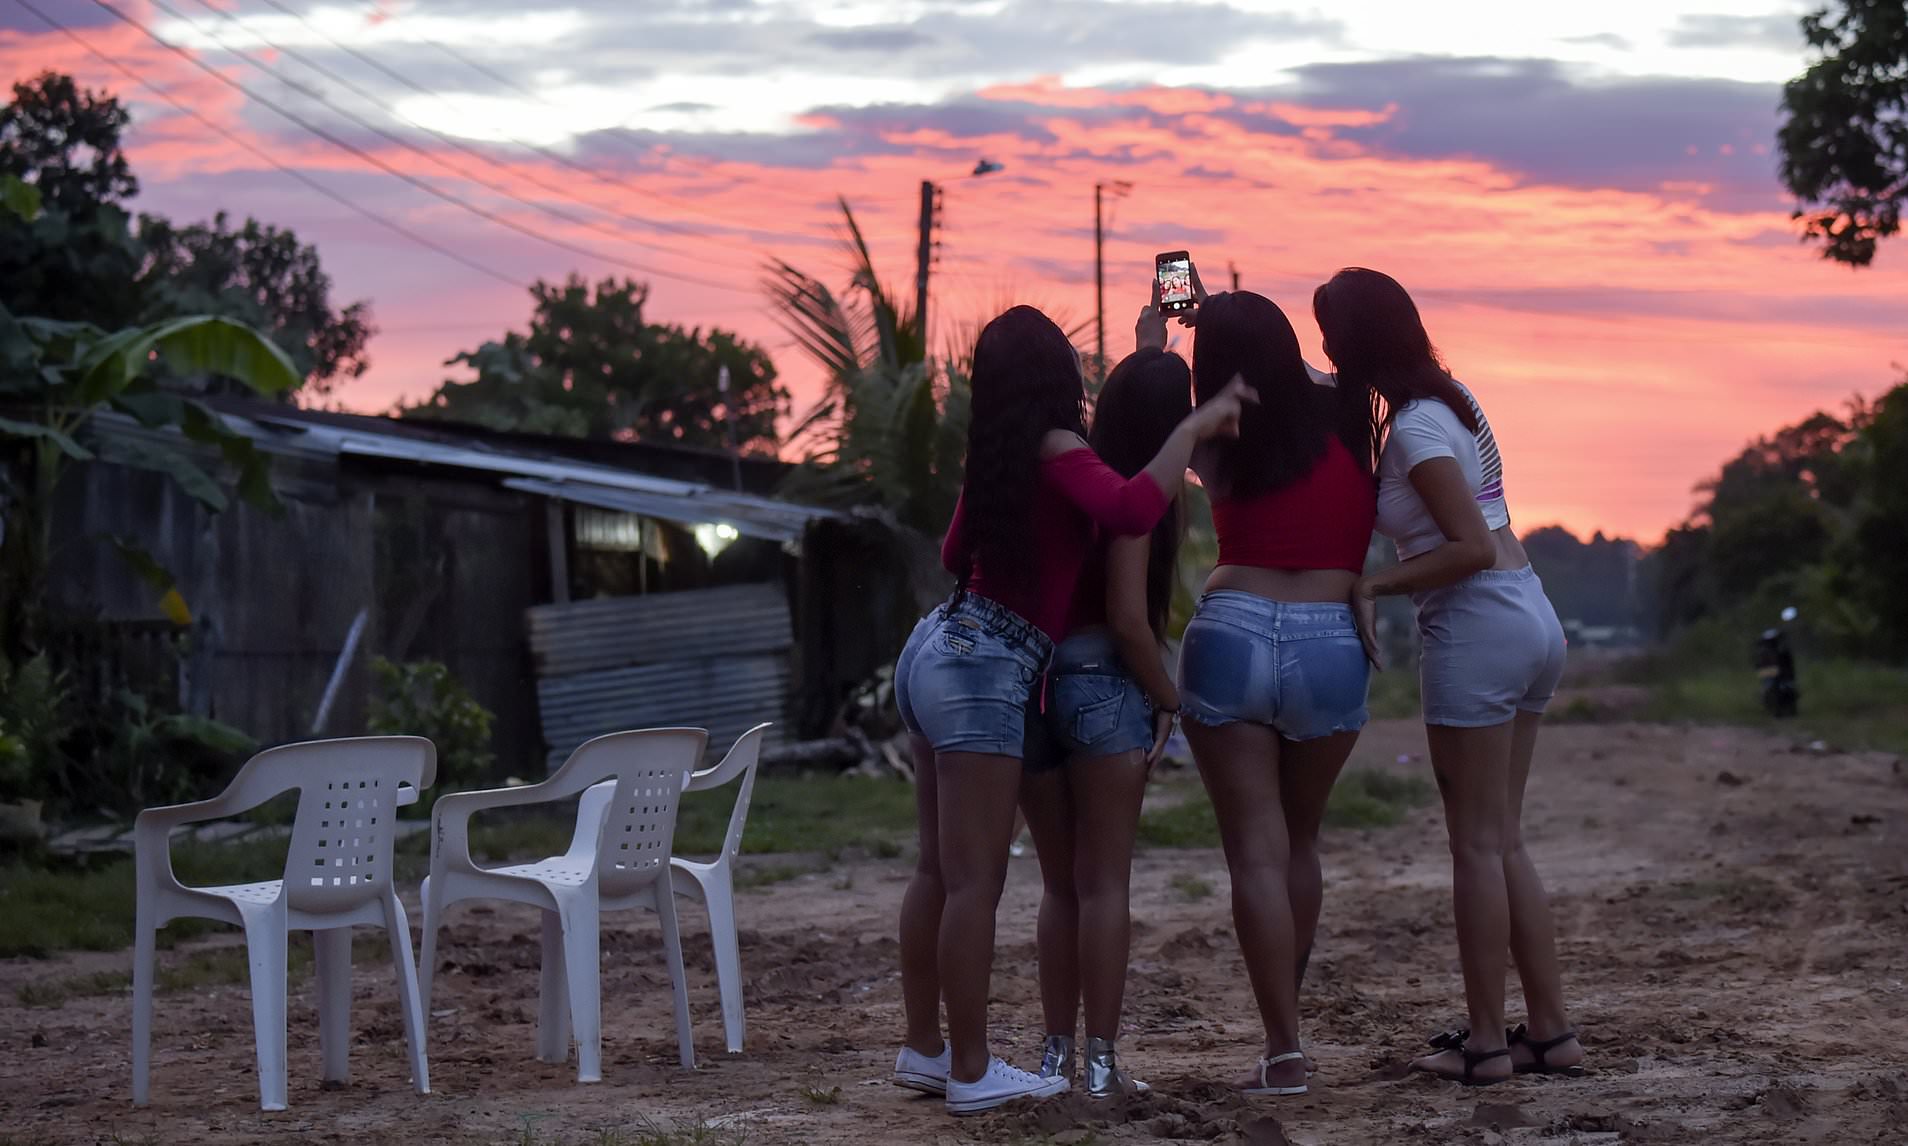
x=75, y=14
x=1783, y=32
x=890, y=39
x=1541, y=120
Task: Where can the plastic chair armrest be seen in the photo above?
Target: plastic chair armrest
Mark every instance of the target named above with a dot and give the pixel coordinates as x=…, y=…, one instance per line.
x=591, y=812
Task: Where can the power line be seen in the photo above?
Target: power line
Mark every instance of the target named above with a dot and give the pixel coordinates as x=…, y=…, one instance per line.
x=414, y=181
x=554, y=156
x=259, y=153
x=400, y=142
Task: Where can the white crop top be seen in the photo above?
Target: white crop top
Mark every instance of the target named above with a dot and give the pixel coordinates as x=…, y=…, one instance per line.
x=1426, y=429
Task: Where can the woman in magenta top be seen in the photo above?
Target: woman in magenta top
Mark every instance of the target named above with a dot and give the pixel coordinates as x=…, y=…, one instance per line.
x=1033, y=497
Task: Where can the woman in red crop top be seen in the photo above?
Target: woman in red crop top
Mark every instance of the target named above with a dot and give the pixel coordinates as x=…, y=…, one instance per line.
x=1272, y=674
x=1031, y=501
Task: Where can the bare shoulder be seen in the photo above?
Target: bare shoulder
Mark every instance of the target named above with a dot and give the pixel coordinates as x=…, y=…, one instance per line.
x=1059, y=442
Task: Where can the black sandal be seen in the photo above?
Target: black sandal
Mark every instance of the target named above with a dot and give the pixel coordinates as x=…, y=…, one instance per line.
x=1520, y=1034
x=1454, y=1041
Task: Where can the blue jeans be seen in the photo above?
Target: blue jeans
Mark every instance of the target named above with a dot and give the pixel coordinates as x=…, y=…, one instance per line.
x=1298, y=668
x=1096, y=708
x=969, y=680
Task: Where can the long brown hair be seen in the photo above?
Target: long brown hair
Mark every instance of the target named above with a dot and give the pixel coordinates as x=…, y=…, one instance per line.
x=1376, y=340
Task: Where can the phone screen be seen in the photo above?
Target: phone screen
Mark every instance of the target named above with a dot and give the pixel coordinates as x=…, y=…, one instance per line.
x=1175, y=280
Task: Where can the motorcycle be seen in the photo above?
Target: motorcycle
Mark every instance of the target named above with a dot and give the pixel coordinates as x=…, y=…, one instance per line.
x=1775, y=668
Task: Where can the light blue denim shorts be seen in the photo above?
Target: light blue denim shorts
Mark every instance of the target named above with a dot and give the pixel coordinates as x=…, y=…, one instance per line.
x=1493, y=647
x=1296, y=667
x=969, y=680
x=1095, y=708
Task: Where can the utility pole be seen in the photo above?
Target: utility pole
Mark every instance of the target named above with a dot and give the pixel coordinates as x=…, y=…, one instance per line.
x=1118, y=187
x=923, y=255
x=1234, y=268
x=1099, y=286
x=728, y=408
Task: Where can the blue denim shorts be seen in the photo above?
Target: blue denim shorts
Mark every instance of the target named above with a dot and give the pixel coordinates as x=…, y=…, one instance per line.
x=1297, y=667
x=1094, y=707
x=1492, y=648
x=969, y=680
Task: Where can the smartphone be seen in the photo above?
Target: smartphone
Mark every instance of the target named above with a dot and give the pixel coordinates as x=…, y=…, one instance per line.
x=1175, y=281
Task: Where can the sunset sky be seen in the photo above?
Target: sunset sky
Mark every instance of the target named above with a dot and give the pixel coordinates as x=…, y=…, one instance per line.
x=1582, y=197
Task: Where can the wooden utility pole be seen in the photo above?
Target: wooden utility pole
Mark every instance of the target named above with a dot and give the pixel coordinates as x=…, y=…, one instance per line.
x=1099, y=286
x=923, y=255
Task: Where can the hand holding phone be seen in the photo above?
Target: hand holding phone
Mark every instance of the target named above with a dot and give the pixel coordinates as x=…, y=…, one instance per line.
x=1173, y=271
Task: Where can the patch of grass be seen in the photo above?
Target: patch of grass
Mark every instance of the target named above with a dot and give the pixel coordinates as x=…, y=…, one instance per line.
x=753, y=877
x=1369, y=798
x=1394, y=693
x=1192, y=888
x=215, y=967
x=88, y=906
x=804, y=814
x=1849, y=703
x=818, y=1096
x=1363, y=798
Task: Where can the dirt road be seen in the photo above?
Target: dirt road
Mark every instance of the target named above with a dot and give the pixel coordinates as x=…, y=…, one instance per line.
x=1734, y=917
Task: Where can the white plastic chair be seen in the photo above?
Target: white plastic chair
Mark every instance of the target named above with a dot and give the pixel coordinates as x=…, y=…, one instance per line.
x=617, y=860
x=337, y=876
x=712, y=884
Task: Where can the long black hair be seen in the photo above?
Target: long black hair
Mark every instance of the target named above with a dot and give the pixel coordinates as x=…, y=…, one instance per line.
x=1377, y=341
x=1144, y=398
x=1026, y=381
x=1286, y=433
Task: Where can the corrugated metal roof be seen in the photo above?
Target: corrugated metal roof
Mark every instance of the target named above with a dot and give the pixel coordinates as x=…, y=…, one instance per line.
x=751, y=516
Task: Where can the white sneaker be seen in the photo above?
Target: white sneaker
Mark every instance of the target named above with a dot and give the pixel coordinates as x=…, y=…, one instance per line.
x=916, y=1071
x=1000, y=1085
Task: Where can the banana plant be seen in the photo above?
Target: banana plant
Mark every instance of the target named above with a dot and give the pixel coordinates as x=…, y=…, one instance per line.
x=57, y=377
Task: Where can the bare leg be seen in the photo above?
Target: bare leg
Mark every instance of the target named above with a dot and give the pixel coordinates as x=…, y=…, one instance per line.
x=921, y=914
x=1047, y=804
x=1473, y=770
x=1107, y=792
x=1307, y=771
x=1533, y=935
x=977, y=793
x=1240, y=766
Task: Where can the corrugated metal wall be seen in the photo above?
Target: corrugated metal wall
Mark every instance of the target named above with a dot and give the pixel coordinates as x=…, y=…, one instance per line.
x=707, y=658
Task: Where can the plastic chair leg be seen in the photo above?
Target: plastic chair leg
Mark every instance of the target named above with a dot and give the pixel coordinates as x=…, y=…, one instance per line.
x=728, y=958
x=553, y=996
x=672, y=951
x=144, y=957
x=265, y=941
x=331, y=950
x=427, y=961
x=410, y=997
x=582, y=967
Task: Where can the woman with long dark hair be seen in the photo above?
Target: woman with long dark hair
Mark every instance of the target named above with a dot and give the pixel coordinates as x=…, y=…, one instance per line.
x=1493, y=652
x=1110, y=711
x=1033, y=496
x=1271, y=672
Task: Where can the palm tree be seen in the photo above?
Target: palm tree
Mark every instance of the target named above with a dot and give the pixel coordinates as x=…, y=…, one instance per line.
x=891, y=426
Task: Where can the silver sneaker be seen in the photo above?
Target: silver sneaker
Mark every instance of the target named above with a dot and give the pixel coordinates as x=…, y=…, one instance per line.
x=1104, y=1078
x=1056, y=1059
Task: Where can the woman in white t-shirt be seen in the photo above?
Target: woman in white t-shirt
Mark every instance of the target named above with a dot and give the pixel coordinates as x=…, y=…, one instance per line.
x=1493, y=652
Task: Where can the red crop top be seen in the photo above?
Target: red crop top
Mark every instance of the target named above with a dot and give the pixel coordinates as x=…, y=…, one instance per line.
x=1321, y=521
x=1079, y=495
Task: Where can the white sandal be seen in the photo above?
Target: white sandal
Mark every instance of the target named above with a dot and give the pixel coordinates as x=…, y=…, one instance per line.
x=1266, y=1064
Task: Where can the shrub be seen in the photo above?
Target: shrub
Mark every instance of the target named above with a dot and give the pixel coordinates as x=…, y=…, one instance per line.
x=421, y=698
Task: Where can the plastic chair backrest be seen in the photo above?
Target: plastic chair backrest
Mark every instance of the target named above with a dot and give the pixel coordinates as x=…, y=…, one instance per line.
x=741, y=760
x=639, y=827
x=341, y=837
